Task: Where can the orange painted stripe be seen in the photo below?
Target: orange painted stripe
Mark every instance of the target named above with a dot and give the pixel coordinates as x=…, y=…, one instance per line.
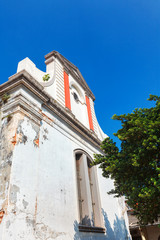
x=67, y=91
x=89, y=113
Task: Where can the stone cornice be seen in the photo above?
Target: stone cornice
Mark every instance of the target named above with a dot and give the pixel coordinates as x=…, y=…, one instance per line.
x=25, y=79
x=21, y=104
x=70, y=69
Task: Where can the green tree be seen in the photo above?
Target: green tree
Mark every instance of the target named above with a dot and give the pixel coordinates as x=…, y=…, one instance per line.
x=135, y=167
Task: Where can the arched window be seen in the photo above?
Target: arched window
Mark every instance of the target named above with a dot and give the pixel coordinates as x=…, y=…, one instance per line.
x=88, y=194
x=77, y=93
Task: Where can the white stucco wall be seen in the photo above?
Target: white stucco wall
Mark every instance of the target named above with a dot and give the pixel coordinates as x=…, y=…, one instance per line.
x=55, y=88
x=42, y=195
x=42, y=198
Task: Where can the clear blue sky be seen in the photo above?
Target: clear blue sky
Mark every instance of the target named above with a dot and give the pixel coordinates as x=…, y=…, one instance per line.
x=115, y=44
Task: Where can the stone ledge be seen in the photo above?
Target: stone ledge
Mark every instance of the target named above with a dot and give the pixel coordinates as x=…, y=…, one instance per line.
x=25, y=79
x=83, y=228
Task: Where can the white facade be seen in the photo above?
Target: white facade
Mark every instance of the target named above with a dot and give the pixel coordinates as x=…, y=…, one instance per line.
x=39, y=194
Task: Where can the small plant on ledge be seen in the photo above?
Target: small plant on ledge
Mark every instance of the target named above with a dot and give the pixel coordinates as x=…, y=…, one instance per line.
x=46, y=77
x=5, y=98
x=9, y=118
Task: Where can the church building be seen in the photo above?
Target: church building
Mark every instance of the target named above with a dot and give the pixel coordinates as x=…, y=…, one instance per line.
x=49, y=134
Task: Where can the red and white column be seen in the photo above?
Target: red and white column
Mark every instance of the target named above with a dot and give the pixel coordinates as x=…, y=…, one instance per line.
x=89, y=113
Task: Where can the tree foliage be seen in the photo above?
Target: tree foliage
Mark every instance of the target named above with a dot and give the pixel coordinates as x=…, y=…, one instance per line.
x=135, y=167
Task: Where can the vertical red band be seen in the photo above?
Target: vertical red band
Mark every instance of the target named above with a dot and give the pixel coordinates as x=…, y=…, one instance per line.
x=89, y=113
x=66, y=90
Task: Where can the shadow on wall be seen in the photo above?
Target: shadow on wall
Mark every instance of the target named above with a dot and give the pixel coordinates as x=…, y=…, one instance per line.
x=119, y=231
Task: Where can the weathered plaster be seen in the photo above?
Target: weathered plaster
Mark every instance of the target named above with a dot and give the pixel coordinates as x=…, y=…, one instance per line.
x=8, y=139
x=39, y=179
x=38, y=188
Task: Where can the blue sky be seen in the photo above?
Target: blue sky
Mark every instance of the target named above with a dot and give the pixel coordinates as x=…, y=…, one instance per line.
x=115, y=44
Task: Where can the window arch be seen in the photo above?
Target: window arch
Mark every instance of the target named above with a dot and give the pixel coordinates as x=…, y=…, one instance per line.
x=75, y=89
x=90, y=218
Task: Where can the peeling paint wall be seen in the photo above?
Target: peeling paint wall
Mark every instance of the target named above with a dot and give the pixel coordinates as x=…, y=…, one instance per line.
x=38, y=188
x=9, y=137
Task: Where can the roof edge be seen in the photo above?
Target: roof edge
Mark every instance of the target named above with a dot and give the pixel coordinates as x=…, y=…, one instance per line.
x=67, y=64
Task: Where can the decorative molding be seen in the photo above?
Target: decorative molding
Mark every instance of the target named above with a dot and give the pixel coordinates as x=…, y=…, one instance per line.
x=49, y=60
x=71, y=68
x=21, y=104
x=51, y=81
x=24, y=79
x=66, y=69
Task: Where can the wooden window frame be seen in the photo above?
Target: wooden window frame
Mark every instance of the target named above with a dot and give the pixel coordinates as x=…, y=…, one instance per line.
x=90, y=216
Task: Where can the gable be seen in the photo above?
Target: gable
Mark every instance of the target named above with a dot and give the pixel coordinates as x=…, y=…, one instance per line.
x=73, y=70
